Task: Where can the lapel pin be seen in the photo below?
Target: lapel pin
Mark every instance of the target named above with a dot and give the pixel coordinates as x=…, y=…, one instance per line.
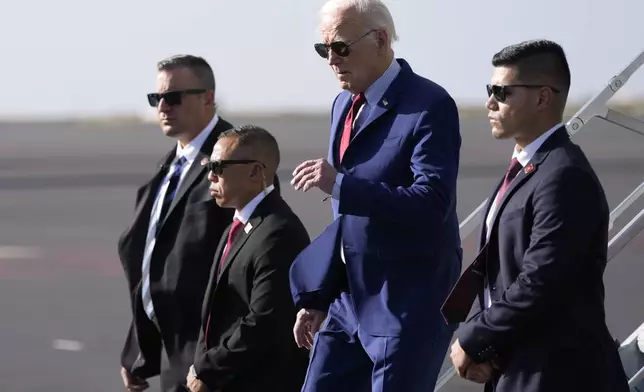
x=204, y=161
x=529, y=168
x=248, y=228
x=384, y=102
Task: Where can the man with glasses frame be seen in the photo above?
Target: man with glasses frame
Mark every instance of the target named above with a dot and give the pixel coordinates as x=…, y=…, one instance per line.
x=537, y=320
x=380, y=272
x=167, y=251
x=246, y=342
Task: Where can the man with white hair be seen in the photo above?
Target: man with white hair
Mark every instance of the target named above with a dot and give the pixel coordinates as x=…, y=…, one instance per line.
x=381, y=271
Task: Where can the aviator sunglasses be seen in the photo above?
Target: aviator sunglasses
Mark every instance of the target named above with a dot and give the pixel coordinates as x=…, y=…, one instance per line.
x=501, y=91
x=172, y=98
x=217, y=167
x=338, y=47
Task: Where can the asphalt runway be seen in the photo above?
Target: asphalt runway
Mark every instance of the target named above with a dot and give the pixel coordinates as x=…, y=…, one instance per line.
x=67, y=192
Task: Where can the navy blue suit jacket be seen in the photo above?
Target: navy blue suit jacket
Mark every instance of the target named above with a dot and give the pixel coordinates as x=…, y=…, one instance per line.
x=396, y=214
x=545, y=260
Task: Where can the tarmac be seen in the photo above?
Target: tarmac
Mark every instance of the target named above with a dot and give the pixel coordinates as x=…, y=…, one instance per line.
x=67, y=192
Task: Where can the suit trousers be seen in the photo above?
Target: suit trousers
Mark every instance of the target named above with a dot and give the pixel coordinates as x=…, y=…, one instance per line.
x=345, y=358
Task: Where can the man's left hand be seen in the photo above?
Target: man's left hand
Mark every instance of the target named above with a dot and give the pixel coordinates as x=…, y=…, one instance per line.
x=460, y=360
x=197, y=385
x=194, y=384
x=315, y=173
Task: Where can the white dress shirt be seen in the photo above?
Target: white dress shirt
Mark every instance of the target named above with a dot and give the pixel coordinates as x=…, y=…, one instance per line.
x=246, y=212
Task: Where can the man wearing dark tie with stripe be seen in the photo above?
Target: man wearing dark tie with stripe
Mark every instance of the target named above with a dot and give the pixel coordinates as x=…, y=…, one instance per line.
x=167, y=251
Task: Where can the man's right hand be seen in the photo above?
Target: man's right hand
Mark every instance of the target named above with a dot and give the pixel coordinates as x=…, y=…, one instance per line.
x=133, y=383
x=307, y=324
x=480, y=373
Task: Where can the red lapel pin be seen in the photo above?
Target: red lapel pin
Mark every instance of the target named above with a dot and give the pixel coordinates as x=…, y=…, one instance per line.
x=529, y=168
x=204, y=161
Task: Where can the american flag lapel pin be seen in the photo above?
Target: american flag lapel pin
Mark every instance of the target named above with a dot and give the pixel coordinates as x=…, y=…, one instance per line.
x=204, y=161
x=529, y=168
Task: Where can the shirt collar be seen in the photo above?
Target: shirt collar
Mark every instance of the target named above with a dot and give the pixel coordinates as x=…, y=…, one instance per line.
x=525, y=155
x=374, y=93
x=246, y=212
x=190, y=150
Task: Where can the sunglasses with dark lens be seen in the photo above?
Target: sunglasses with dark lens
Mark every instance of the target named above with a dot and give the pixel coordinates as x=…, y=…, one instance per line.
x=172, y=98
x=217, y=167
x=501, y=91
x=338, y=47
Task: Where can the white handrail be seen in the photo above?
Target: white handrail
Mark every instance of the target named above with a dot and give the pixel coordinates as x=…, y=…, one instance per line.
x=627, y=346
x=623, y=206
x=595, y=107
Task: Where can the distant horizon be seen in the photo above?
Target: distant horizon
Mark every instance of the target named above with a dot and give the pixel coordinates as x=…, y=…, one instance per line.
x=72, y=58
x=634, y=107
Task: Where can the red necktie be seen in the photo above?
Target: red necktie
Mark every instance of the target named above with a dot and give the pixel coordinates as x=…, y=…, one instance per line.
x=232, y=234
x=358, y=101
x=472, y=281
x=458, y=303
x=512, y=172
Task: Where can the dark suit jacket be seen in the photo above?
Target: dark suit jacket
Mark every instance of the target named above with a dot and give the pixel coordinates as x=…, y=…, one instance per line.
x=179, y=267
x=251, y=344
x=398, y=218
x=545, y=261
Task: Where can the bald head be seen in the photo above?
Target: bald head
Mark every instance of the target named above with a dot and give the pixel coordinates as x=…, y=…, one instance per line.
x=243, y=163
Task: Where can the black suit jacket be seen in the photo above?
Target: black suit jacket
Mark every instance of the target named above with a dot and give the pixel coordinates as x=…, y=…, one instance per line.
x=545, y=260
x=250, y=337
x=179, y=268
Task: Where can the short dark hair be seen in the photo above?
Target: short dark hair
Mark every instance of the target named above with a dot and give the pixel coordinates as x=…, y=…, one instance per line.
x=537, y=60
x=255, y=137
x=198, y=65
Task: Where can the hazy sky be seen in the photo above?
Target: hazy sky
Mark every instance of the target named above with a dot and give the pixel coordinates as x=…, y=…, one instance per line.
x=79, y=57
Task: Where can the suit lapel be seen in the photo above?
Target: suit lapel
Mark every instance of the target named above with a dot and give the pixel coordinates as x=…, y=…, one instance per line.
x=490, y=201
x=387, y=102
x=147, y=192
x=557, y=138
x=196, y=168
x=336, y=129
x=243, y=236
x=518, y=181
x=375, y=111
x=214, y=270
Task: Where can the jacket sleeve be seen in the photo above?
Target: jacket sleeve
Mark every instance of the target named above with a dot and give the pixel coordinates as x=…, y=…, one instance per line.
x=141, y=355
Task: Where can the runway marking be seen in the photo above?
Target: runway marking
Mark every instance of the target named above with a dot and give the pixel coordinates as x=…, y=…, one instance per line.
x=8, y=252
x=67, y=345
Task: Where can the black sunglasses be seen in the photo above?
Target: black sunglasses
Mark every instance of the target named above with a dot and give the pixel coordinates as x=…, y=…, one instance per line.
x=501, y=91
x=217, y=167
x=172, y=98
x=338, y=47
